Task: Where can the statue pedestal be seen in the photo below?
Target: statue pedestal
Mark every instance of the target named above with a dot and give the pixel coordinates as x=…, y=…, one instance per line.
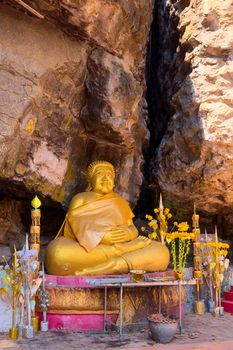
x=78, y=302
x=82, y=322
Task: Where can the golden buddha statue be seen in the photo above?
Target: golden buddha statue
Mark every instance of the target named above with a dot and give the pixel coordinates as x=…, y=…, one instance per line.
x=98, y=235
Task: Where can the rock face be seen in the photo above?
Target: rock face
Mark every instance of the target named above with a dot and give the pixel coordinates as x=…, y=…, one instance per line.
x=11, y=227
x=195, y=158
x=72, y=91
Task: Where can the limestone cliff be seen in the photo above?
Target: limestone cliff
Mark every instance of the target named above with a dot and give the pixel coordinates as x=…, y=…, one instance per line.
x=194, y=161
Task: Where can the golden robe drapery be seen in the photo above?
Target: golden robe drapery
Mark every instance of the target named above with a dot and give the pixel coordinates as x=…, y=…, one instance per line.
x=88, y=223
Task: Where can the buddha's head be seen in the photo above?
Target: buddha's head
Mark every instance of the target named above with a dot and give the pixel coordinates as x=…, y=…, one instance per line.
x=100, y=177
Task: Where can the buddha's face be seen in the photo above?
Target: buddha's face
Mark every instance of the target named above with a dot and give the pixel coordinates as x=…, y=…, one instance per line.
x=102, y=181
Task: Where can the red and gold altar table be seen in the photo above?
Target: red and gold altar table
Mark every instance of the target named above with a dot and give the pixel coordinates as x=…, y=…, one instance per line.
x=80, y=302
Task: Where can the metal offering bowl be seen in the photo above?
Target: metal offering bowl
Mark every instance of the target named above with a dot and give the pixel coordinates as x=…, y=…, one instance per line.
x=137, y=274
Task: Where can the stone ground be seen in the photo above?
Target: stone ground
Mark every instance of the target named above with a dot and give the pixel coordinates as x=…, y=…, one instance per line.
x=199, y=332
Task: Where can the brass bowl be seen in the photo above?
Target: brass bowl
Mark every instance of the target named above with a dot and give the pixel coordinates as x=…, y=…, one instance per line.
x=137, y=275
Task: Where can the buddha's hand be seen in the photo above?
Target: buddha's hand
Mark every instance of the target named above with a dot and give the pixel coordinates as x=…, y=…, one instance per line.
x=119, y=234
x=138, y=243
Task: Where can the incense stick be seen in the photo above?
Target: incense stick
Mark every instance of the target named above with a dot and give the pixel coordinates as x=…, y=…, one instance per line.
x=29, y=8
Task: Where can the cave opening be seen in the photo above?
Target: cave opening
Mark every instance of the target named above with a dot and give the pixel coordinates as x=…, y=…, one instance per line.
x=15, y=217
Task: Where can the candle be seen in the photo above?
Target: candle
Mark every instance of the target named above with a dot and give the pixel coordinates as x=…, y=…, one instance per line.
x=15, y=257
x=28, y=293
x=206, y=238
x=43, y=277
x=160, y=203
x=216, y=234
x=27, y=245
